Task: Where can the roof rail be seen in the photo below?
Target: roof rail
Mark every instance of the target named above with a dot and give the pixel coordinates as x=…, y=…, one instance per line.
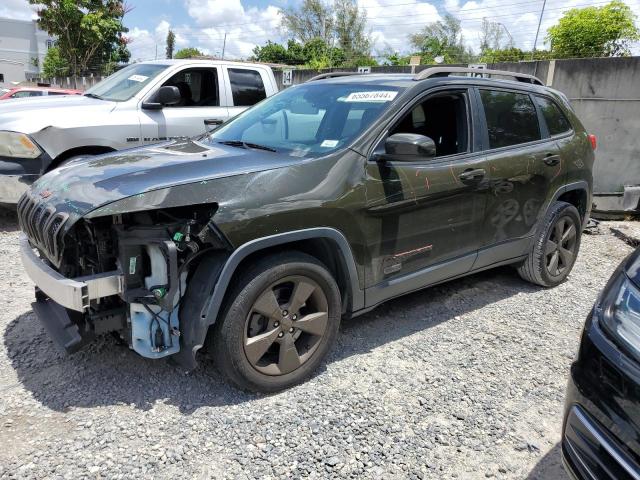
x=444, y=71
x=332, y=74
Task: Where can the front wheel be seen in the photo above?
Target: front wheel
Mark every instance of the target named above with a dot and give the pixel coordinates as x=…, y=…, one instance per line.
x=281, y=319
x=555, y=247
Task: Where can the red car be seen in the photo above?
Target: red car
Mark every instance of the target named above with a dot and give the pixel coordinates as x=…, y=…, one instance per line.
x=23, y=92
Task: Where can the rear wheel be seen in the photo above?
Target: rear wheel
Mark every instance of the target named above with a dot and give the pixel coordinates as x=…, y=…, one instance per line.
x=555, y=247
x=282, y=317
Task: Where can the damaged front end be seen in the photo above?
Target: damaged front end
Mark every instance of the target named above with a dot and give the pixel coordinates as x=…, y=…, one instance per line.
x=126, y=273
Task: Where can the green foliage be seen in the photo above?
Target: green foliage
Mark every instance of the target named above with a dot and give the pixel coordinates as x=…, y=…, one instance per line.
x=171, y=42
x=54, y=65
x=189, y=52
x=313, y=19
x=89, y=32
x=512, y=54
x=442, y=39
x=313, y=54
x=331, y=34
x=605, y=31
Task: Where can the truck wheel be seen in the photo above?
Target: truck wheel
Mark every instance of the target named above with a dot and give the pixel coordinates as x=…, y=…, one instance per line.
x=555, y=247
x=281, y=319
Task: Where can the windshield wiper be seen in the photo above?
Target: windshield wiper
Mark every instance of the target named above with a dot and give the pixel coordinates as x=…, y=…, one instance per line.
x=93, y=95
x=241, y=144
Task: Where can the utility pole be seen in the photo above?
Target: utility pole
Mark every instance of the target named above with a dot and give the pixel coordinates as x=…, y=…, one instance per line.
x=224, y=45
x=535, y=42
x=156, y=57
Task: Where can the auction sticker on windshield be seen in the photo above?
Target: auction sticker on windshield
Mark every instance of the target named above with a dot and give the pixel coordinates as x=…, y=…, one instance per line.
x=137, y=78
x=377, y=96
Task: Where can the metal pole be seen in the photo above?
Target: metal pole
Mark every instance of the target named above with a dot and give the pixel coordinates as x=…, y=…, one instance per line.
x=224, y=45
x=508, y=33
x=535, y=42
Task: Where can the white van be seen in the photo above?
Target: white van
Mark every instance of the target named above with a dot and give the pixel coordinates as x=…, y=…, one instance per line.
x=144, y=103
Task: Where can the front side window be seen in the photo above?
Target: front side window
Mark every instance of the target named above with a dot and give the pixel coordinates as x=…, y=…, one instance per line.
x=511, y=118
x=247, y=87
x=556, y=122
x=443, y=118
x=198, y=87
x=310, y=119
x=124, y=84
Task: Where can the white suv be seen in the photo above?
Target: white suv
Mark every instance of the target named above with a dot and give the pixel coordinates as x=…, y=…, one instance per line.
x=144, y=103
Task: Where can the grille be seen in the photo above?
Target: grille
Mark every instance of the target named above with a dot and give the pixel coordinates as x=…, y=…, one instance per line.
x=43, y=226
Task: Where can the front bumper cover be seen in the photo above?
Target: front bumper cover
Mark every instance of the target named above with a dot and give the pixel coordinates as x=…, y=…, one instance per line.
x=75, y=294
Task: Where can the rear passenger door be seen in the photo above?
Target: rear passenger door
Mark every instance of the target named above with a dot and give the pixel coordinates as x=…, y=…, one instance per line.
x=245, y=87
x=525, y=168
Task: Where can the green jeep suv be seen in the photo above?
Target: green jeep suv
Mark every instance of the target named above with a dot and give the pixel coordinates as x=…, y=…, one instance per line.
x=317, y=204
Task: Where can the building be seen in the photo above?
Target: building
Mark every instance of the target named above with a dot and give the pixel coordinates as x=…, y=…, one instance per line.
x=22, y=50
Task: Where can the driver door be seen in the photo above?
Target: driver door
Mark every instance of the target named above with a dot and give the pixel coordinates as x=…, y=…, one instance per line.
x=425, y=216
x=202, y=98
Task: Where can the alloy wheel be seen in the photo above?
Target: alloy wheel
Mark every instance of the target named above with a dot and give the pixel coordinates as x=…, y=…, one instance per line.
x=561, y=246
x=285, y=325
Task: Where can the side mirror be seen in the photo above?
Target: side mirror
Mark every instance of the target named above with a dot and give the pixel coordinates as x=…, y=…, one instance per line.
x=408, y=147
x=166, y=95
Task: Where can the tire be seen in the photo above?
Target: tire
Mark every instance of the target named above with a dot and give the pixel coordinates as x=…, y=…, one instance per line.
x=549, y=262
x=255, y=341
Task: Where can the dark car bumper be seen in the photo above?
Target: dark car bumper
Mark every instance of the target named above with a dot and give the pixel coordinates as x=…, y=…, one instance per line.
x=600, y=434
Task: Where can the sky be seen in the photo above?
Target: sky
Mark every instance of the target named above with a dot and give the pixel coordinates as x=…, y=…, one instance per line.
x=247, y=23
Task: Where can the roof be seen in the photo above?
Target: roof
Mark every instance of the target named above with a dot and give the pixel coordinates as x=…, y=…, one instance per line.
x=179, y=61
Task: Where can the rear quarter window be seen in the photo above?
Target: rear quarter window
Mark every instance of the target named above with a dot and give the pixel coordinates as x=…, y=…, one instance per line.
x=511, y=118
x=247, y=87
x=556, y=121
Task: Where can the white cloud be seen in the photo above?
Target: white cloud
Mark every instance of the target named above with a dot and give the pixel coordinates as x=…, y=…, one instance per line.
x=389, y=22
x=17, y=10
x=391, y=26
x=144, y=43
x=245, y=27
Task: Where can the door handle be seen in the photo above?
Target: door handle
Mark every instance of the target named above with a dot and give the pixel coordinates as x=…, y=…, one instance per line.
x=550, y=159
x=213, y=121
x=472, y=175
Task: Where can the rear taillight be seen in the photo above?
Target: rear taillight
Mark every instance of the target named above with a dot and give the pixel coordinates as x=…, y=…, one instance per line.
x=593, y=140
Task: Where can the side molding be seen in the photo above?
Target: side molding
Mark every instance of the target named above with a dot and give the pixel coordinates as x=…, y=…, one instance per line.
x=212, y=308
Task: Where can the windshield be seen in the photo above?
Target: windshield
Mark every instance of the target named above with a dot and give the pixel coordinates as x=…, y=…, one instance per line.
x=308, y=120
x=124, y=84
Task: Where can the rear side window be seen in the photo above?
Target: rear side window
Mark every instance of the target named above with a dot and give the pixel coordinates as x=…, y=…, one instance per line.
x=553, y=116
x=246, y=86
x=511, y=118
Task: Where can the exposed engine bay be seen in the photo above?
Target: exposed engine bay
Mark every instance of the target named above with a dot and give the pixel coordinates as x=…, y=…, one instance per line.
x=154, y=252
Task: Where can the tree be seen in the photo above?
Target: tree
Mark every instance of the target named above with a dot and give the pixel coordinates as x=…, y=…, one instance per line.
x=491, y=36
x=313, y=19
x=350, y=29
x=605, y=31
x=442, y=39
x=333, y=34
x=54, y=65
x=89, y=32
x=188, y=52
x=171, y=41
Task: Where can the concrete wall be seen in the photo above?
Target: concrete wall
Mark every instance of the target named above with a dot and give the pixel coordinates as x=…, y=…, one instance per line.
x=605, y=93
x=20, y=43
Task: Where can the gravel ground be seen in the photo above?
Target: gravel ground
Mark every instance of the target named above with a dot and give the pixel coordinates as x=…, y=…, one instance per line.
x=464, y=380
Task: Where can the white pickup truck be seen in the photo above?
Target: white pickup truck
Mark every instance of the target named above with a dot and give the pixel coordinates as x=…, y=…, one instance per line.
x=144, y=103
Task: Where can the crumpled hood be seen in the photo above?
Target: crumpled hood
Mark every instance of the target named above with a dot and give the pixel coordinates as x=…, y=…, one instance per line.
x=30, y=115
x=86, y=184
